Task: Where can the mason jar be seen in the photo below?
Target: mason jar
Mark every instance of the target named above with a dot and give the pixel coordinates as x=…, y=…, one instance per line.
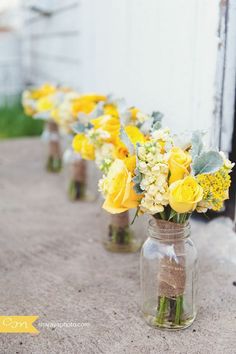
x=120, y=235
x=52, y=139
x=169, y=275
x=80, y=177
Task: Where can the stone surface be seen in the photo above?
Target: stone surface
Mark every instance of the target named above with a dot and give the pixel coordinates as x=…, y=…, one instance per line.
x=52, y=264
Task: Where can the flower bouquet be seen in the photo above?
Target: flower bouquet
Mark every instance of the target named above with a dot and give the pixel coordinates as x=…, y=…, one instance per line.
x=99, y=139
x=169, y=180
x=40, y=103
x=77, y=111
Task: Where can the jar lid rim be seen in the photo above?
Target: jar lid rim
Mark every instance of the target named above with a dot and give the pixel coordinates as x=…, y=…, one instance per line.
x=168, y=228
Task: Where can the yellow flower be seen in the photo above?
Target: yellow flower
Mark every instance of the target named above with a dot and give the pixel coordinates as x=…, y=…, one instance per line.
x=94, y=97
x=44, y=90
x=179, y=164
x=44, y=104
x=133, y=111
x=82, y=145
x=109, y=124
x=215, y=187
x=111, y=109
x=29, y=111
x=82, y=105
x=118, y=189
x=135, y=136
x=55, y=114
x=86, y=103
x=185, y=194
x=130, y=163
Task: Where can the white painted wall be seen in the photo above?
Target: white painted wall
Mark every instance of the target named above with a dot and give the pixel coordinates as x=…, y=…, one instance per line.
x=157, y=54
x=10, y=66
x=10, y=54
x=51, y=43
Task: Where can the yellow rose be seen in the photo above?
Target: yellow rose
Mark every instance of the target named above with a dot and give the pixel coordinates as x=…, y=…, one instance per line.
x=135, y=136
x=42, y=91
x=44, y=104
x=130, y=163
x=82, y=145
x=111, y=109
x=29, y=111
x=109, y=124
x=55, y=114
x=185, y=194
x=133, y=111
x=94, y=97
x=119, y=193
x=82, y=105
x=179, y=164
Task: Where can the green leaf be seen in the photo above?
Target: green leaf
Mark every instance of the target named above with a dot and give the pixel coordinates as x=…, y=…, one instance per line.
x=147, y=126
x=138, y=189
x=207, y=162
x=172, y=214
x=135, y=216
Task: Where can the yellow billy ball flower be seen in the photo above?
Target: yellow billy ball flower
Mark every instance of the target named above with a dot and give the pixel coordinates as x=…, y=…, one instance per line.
x=179, y=164
x=82, y=145
x=185, y=194
x=215, y=187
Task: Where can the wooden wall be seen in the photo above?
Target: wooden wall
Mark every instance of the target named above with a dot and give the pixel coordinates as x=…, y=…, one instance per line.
x=166, y=55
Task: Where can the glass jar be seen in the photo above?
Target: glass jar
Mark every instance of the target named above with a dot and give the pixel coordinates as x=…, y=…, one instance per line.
x=168, y=275
x=51, y=137
x=80, y=177
x=120, y=236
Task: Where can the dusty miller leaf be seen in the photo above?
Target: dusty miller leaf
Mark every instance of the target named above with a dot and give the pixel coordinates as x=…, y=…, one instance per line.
x=125, y=139
x=207, y=162
x=137, y=189
x=197, y=144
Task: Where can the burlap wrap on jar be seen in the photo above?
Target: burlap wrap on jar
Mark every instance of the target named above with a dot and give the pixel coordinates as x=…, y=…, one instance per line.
x=79, y=171
x=172, y=273
x=120, y=220
x=54, y=142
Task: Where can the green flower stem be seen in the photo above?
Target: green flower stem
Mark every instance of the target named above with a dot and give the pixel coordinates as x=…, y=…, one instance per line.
x=179, y=309
x=54, y=164
x=162, y=310
x=121, y=236
x=76, y=190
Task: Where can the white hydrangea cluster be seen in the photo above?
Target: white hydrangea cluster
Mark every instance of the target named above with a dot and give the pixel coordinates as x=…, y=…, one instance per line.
x=153, y=166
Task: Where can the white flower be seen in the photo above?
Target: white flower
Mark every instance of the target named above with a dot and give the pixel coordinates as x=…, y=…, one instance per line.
x=104, y=156
x=141, y=117
x=163, y=136
x=153, y=166
x=227, y=163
